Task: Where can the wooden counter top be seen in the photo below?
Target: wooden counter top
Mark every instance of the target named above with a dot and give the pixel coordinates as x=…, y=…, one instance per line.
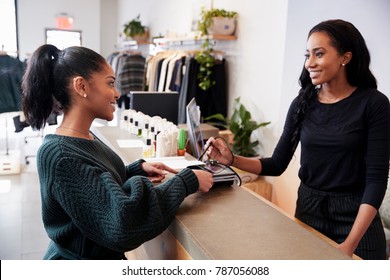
x=229, y=223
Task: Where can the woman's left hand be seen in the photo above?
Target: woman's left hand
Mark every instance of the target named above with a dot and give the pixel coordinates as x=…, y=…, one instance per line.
x=156, y=171
x=346, y=249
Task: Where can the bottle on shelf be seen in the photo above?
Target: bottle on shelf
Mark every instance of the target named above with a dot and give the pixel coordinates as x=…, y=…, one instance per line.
x=124, y=119
x=139, y=131
x=134, y=131
x=131, y=124
x=130, y=114
x=145, y=131
x=147, y=149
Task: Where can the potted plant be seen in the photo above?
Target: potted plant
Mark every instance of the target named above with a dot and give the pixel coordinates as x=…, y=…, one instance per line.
x=135, y=30
x=209, y=23
x=241, y=125
x=217, y=21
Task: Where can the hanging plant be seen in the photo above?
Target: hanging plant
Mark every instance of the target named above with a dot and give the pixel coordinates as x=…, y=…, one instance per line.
x=206, y=61
x=205, y=56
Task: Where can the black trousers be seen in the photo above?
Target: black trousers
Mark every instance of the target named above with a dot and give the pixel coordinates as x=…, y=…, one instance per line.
x=333, y=214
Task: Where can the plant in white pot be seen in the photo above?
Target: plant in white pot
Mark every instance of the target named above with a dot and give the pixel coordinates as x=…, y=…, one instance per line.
x=217, y=22
x=212, y=22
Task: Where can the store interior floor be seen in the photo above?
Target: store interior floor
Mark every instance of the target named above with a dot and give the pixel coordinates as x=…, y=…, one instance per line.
x=22, y=234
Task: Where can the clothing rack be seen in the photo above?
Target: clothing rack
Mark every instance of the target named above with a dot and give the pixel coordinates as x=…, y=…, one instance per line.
x=4, y=52
x=132, y=47
x=6, y=137
x=6, y=116
x=127, y=51
x=39, y=135
x=194, y=40
x=129, y=67
x=9, y=162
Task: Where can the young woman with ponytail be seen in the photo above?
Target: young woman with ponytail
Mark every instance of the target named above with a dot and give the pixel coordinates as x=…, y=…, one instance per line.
x=342, y=122
x=93, y=206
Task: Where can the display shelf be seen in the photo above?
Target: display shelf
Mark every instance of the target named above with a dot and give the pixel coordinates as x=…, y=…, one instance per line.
x=132, y=44
x=191, y=40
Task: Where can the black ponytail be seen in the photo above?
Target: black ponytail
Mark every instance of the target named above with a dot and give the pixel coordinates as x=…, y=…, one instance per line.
x=38, y=85
x=48, y=77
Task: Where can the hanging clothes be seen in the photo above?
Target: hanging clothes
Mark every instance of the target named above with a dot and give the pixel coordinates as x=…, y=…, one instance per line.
x=167, y=69
x=210, y=102
x=177, y=70
x=11, y=73
x=214, y=100
x=184, y=98
x=129, y=68
x=154, y=67
x=177, y=74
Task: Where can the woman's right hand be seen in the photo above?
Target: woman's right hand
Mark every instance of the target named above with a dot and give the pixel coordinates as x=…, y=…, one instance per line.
x=219, y=151
x=205, y=180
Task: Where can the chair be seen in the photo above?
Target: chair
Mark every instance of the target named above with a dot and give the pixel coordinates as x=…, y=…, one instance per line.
x=52, y=120
x=39, y=135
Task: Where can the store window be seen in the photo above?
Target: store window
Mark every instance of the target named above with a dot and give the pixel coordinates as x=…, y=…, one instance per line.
x=8, y=27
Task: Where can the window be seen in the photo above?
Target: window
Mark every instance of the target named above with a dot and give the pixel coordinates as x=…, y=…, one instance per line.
x=8, y=27
x=63, y=38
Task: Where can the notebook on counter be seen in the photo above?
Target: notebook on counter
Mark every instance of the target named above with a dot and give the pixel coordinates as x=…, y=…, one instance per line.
x=177, y=162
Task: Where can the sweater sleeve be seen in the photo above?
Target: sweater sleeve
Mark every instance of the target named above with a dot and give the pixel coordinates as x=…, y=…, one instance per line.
x=118, y=217
x=135, y=169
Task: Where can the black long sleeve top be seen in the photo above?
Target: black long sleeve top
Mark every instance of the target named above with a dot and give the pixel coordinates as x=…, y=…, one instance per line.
x=344, y=146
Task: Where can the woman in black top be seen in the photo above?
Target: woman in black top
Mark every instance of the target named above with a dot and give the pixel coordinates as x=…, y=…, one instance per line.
x=342, y=123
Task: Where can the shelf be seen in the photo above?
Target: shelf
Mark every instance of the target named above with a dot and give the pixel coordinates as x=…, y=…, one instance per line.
x=223, y=37
x=192, y=39
x=134, y=43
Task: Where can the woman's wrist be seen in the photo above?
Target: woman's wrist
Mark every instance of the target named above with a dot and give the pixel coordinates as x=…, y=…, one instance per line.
x=232, y=160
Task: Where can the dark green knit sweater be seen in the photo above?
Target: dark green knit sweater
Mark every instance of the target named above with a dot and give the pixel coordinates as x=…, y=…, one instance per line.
x=94, y=207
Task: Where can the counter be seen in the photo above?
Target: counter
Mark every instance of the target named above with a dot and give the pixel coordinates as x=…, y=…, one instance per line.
x=228, y=223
